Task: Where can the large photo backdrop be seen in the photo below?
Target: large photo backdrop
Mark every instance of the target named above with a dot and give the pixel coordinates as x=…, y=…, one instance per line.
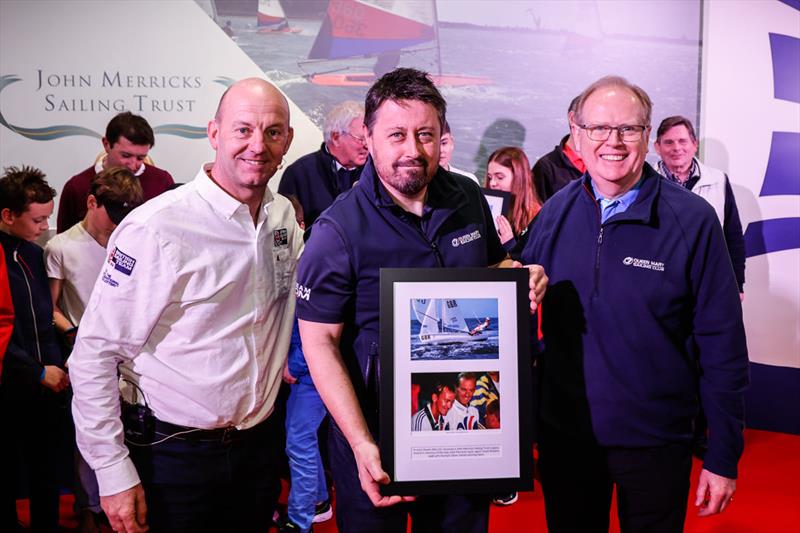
x=508, y=69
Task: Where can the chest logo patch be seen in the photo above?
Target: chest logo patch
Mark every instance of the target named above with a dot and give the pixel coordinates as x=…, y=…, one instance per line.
x=121, y=261
x=464, y=239
x=280, y=237
x=647, y=264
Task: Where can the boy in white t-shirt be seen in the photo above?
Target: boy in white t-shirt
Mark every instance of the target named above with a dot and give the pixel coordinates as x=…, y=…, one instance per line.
x=73, y=261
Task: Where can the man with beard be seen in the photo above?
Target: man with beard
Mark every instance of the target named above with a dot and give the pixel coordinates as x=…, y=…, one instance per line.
x=405, y=212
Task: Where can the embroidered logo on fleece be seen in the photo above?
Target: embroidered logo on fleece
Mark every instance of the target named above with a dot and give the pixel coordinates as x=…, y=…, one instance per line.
x=107, y=279
x=464, y=239
x=658, y=266
x=121, y=261
x=280, y=237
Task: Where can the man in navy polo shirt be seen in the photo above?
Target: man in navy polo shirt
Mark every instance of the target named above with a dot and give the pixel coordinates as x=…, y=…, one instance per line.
x=404, y=212
x=642, y=315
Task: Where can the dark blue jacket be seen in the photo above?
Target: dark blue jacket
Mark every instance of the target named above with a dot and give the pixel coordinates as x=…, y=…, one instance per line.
x=641, y=314
x=312, y=180
x=338, y=277
x=33, y=342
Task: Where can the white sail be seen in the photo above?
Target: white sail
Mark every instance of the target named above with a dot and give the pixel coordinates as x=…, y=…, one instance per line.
x=452, y=318
x=420, y=306
x=430, y=319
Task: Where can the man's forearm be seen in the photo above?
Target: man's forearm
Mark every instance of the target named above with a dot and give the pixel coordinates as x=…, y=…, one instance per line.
x=333, y=383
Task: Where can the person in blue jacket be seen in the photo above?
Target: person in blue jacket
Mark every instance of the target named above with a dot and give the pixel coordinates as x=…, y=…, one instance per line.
x=641, y=313
x=405, y=211
x=32, y=385
x=308, y=496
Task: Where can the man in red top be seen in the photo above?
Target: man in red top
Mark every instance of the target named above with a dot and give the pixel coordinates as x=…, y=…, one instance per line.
x=128, y=140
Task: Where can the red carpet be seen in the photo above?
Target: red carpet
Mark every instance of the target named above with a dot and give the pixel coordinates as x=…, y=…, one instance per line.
x=767, y=499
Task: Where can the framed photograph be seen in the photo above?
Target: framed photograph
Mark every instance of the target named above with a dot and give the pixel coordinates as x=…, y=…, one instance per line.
x=499, y=202
x=455, y=347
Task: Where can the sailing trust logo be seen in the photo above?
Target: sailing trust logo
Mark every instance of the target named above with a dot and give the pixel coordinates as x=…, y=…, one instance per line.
x=464, y=239
x=658, y=266
x=112, y=92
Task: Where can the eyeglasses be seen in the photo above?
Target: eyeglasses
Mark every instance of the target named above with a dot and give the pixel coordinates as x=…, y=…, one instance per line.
x=362, y=140
x=628, y=134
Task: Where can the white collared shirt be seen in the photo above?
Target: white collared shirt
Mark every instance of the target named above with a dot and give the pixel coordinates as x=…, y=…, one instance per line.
x=195, y=305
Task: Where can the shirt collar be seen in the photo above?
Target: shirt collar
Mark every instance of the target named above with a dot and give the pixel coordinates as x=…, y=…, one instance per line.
x=625, y=200
x=100, y=166
x=221, y=200
x=664, y=171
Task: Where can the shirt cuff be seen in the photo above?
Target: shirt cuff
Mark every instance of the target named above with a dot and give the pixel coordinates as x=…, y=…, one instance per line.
x=117, y=477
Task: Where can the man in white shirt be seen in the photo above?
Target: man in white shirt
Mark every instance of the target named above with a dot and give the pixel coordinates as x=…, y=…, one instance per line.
x=463, y=416
x=193, y=308
x=73, y=261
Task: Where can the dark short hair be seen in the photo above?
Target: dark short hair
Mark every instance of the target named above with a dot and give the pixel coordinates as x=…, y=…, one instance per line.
x=446, y=128
x=573, y=105
x=615, y=81
x=403, y=84
x=466, y=375
x=670, y=122
x=22, y=186
x=132, y=127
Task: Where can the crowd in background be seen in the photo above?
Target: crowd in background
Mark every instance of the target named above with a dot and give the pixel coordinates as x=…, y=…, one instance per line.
x=142, y=295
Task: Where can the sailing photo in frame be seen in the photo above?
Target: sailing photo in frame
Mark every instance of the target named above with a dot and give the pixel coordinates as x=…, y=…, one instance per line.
x=448, y=335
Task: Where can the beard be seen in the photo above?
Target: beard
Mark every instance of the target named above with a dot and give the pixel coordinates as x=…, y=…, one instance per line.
x=410, y=177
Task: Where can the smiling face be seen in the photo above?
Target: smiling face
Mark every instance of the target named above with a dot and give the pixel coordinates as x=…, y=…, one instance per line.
x=676, y=148
x=615, y=166
x=404, y=144
x=350, y=147
x=465, y=390
x=250, y=134
x=442, y=403
x=498, y=177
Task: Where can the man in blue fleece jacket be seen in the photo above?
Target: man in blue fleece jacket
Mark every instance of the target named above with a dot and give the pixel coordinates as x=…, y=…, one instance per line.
x=641, y=319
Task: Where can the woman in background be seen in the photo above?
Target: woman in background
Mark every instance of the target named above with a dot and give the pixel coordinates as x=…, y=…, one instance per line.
x=509, y=170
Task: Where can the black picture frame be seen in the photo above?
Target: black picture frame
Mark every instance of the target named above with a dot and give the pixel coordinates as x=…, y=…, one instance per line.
x=412, y=457
x=499, y=201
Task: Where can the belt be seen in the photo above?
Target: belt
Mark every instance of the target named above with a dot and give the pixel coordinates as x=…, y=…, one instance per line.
x=226, y=434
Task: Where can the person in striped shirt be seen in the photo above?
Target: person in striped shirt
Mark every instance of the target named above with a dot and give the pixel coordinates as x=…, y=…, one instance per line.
x=431, y=417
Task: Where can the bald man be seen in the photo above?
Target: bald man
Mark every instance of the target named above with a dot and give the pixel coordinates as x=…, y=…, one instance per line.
x=193, y=309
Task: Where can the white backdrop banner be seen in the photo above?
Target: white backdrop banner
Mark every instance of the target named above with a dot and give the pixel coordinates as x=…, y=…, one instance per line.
x=750, y=128
x=67, y=67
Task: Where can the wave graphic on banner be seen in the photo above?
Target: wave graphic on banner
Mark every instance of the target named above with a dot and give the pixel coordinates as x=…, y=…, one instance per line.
x=42, y=134
x=67, y=130
x=783, y=167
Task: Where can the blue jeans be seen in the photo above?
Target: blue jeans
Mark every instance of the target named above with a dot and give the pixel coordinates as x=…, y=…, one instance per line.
x=87, y=494
x=304, y=413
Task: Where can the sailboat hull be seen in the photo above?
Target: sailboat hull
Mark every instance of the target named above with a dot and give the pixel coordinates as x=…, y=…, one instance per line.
x=451, y=337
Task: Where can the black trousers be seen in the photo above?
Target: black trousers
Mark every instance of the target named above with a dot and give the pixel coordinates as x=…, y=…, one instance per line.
x=578, y=479
x=210, y=485
x=429, y=514
x=30, y=448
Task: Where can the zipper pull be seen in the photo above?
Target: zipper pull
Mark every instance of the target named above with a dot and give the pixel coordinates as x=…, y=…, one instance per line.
x=600, y=236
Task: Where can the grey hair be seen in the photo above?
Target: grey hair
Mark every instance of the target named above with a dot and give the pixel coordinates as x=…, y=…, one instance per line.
x=615, y=81
x=340, y=117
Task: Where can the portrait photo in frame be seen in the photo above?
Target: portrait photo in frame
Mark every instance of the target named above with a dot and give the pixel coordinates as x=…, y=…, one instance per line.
x=454, y=349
